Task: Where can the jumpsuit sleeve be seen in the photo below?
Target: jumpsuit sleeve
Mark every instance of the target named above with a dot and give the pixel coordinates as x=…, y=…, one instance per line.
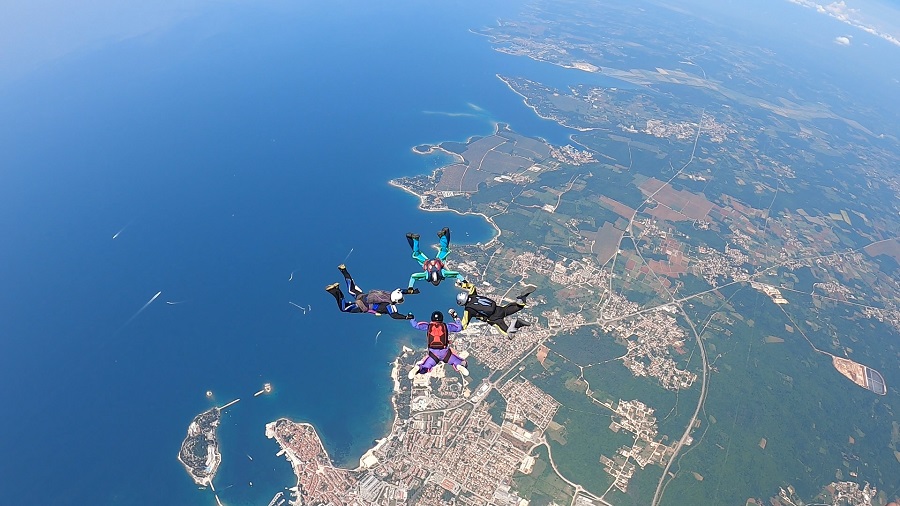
x=416, y=276
x=418, y=325
x=450, y=274
x=466, y=285
x=454, y=326
x=393, y=313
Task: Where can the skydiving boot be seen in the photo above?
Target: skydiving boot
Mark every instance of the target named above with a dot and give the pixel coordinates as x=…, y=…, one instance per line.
x=462, y=369
x=528, y=290
x=516, y=326
x=444, y=231
x=335, y=289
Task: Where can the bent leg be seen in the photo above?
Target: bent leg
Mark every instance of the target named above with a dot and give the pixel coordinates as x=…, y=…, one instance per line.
x=503, y=312
x=454, y=360
x=500, y=324
x=335, y=290
x=444, y=236
x=426, y=365
x=351, y=307
x=352, y=287
x=420, y=257
x=413, y=240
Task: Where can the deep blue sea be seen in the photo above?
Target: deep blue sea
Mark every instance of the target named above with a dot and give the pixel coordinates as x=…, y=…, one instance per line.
x=228, y=150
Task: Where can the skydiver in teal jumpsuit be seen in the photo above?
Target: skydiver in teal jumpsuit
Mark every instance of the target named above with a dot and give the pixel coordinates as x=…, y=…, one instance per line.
x=432, y=269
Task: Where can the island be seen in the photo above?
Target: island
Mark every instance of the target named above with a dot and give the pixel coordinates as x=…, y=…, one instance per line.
x=200, y=449
x=199, y=452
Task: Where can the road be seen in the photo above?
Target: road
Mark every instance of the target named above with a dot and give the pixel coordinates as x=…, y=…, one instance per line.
x=687, y=431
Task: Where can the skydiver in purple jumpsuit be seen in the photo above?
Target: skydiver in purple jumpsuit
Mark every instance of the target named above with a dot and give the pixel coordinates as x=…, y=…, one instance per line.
x=439, y=350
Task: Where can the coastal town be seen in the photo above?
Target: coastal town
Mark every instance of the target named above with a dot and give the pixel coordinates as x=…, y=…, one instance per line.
x=478, y=452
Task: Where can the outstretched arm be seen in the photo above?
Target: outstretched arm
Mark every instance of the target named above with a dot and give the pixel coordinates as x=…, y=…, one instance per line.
x=469, y=287
x=451, y=274
x=465, y=318
x=466, y=285
x=416, y=276
x=418, y=325
x=393, y=313
x=454, y=326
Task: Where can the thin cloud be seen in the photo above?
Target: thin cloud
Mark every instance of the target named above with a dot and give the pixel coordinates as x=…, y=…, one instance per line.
x=853, y=17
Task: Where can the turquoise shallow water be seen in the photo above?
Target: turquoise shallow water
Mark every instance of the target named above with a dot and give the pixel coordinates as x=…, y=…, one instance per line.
x=228, y=151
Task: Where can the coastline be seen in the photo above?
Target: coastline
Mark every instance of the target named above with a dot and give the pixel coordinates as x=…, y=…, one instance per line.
x=561, y=122
x=368, y=459
x=422, y=207
x=432, y=148
x=322, y=459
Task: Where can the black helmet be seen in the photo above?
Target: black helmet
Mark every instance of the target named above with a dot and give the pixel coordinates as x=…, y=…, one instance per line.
x=437, y=316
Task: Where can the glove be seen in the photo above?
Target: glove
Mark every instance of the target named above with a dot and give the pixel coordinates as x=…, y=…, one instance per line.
x=412, y=291
x=377, y=314
x=452, y=313
x=409, y=316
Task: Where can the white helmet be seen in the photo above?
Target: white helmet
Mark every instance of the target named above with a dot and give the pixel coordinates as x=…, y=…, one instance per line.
x=462, y=298
x=397, y=296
